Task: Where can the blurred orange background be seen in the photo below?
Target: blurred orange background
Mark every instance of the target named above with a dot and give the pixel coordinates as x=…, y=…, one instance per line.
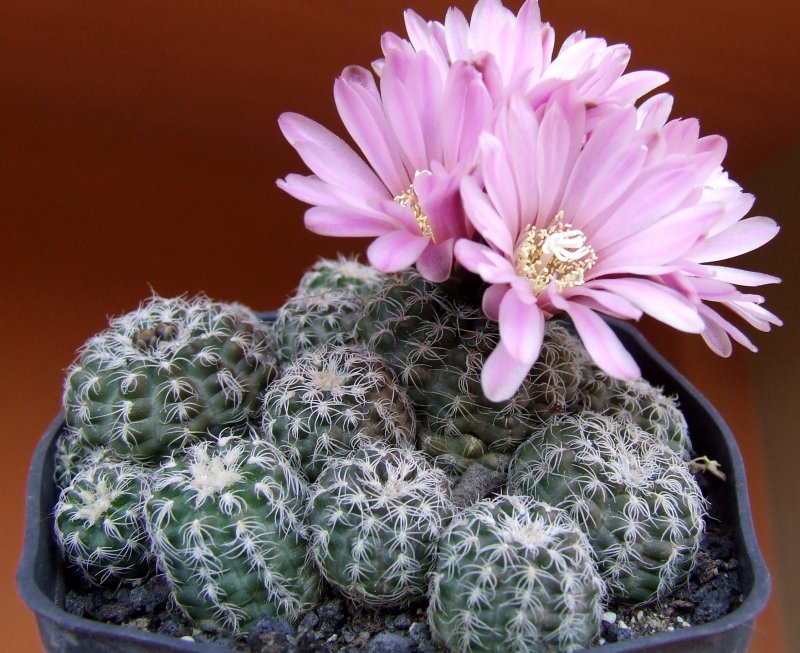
x=139, y=148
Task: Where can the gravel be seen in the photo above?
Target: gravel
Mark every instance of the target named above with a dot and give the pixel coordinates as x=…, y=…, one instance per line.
x=338, y=626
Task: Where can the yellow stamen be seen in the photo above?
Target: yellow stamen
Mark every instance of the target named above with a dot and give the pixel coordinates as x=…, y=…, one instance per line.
x=410, y=199
x=557, y=254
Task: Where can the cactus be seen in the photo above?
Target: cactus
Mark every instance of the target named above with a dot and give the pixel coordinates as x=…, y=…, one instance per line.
x=374, y=519
x=99, y=523
x=332, y=400
x=323, y=309
x=225, y=519
x=633, y=495
x=437, y=348
x=345, y=274
x=168, y=373
x=514, y=575
x=644, y=404
x=308, y=321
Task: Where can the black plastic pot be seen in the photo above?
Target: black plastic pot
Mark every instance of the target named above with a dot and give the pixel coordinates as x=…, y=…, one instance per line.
x=40, y=576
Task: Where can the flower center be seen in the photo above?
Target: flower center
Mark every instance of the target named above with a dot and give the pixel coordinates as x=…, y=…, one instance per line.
x=558, y=253
x=410, y=199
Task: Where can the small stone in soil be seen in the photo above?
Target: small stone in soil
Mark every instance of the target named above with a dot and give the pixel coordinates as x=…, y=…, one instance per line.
x=390, y=643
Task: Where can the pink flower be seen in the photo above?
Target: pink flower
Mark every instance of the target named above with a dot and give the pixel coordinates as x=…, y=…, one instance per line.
x=516, y=55
x=419, y=135
x=583, y=226
x=701, y=280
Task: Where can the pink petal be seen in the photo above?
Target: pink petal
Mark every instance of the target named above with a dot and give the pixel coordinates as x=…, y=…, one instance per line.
x=467, y=106
x=654, y=112
x=492, y=297
x=656, y=192
x=440, y=199
x=485, y=218
x=755, y=315
x=341, y=221
x=456, y=31
x=521, y=328
x=329, y=157
x=313, y=190
x=359, y=106
x=403, y=111
x=630, y=87
x=664, y=241
x=714, y=335
x=485, y=262
x=599, y=339
x=519, y=128
x=718, y=343
x=498, y=179
x=396, y=250
x=741, y=277
x=502, y=374
x=436, y=262
x=561, y=135
x=656, y=300
x=607, y=302
x=742, y=237
x=605, y=168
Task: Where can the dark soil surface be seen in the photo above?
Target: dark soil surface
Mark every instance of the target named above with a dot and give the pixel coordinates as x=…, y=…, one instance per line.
x=337, y=626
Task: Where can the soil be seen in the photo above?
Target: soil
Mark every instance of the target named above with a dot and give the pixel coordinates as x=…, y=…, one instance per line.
x=337, y=626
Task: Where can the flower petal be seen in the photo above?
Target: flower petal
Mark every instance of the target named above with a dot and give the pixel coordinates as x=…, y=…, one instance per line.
x=521, y=328
x=662, y=303
x=599, y=339
x=740, y=238
x=359, y=105
x=329, y=157
x=396, y=250
x=485, y=262
x=492, y=297
x=436, y=262
x=341, y=221
x=502, y=374
x=485, y=218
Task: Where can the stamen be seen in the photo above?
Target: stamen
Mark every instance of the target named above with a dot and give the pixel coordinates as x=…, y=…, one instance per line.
x=409, y=198
x=557, y=254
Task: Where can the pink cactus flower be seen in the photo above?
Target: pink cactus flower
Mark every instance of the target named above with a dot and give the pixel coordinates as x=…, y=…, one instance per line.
x=585, y=226
x=419, y=135
x=515, y=53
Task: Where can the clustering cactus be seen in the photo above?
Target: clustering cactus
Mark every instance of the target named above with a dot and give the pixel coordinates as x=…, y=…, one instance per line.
x=168, y=373
x=99, y=522
x=374, y=519
x=332, y=400
x=369, y=387
x=633, y=495
x=514, y=575
x=226, y=522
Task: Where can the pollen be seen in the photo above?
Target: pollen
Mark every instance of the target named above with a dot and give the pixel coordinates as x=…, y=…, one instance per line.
x=410, y=199
x=558, y=254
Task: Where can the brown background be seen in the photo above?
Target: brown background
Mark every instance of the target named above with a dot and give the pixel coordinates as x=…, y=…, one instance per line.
x=139, y=149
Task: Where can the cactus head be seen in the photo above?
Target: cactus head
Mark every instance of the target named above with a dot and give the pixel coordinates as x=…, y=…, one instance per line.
x=225, y=519
x=345, y=274
x=374, y=519
x=170, y=372
x=308, y=321
x=632, y=494
x=99, y=523
x=514, y=575
x=332, y=400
